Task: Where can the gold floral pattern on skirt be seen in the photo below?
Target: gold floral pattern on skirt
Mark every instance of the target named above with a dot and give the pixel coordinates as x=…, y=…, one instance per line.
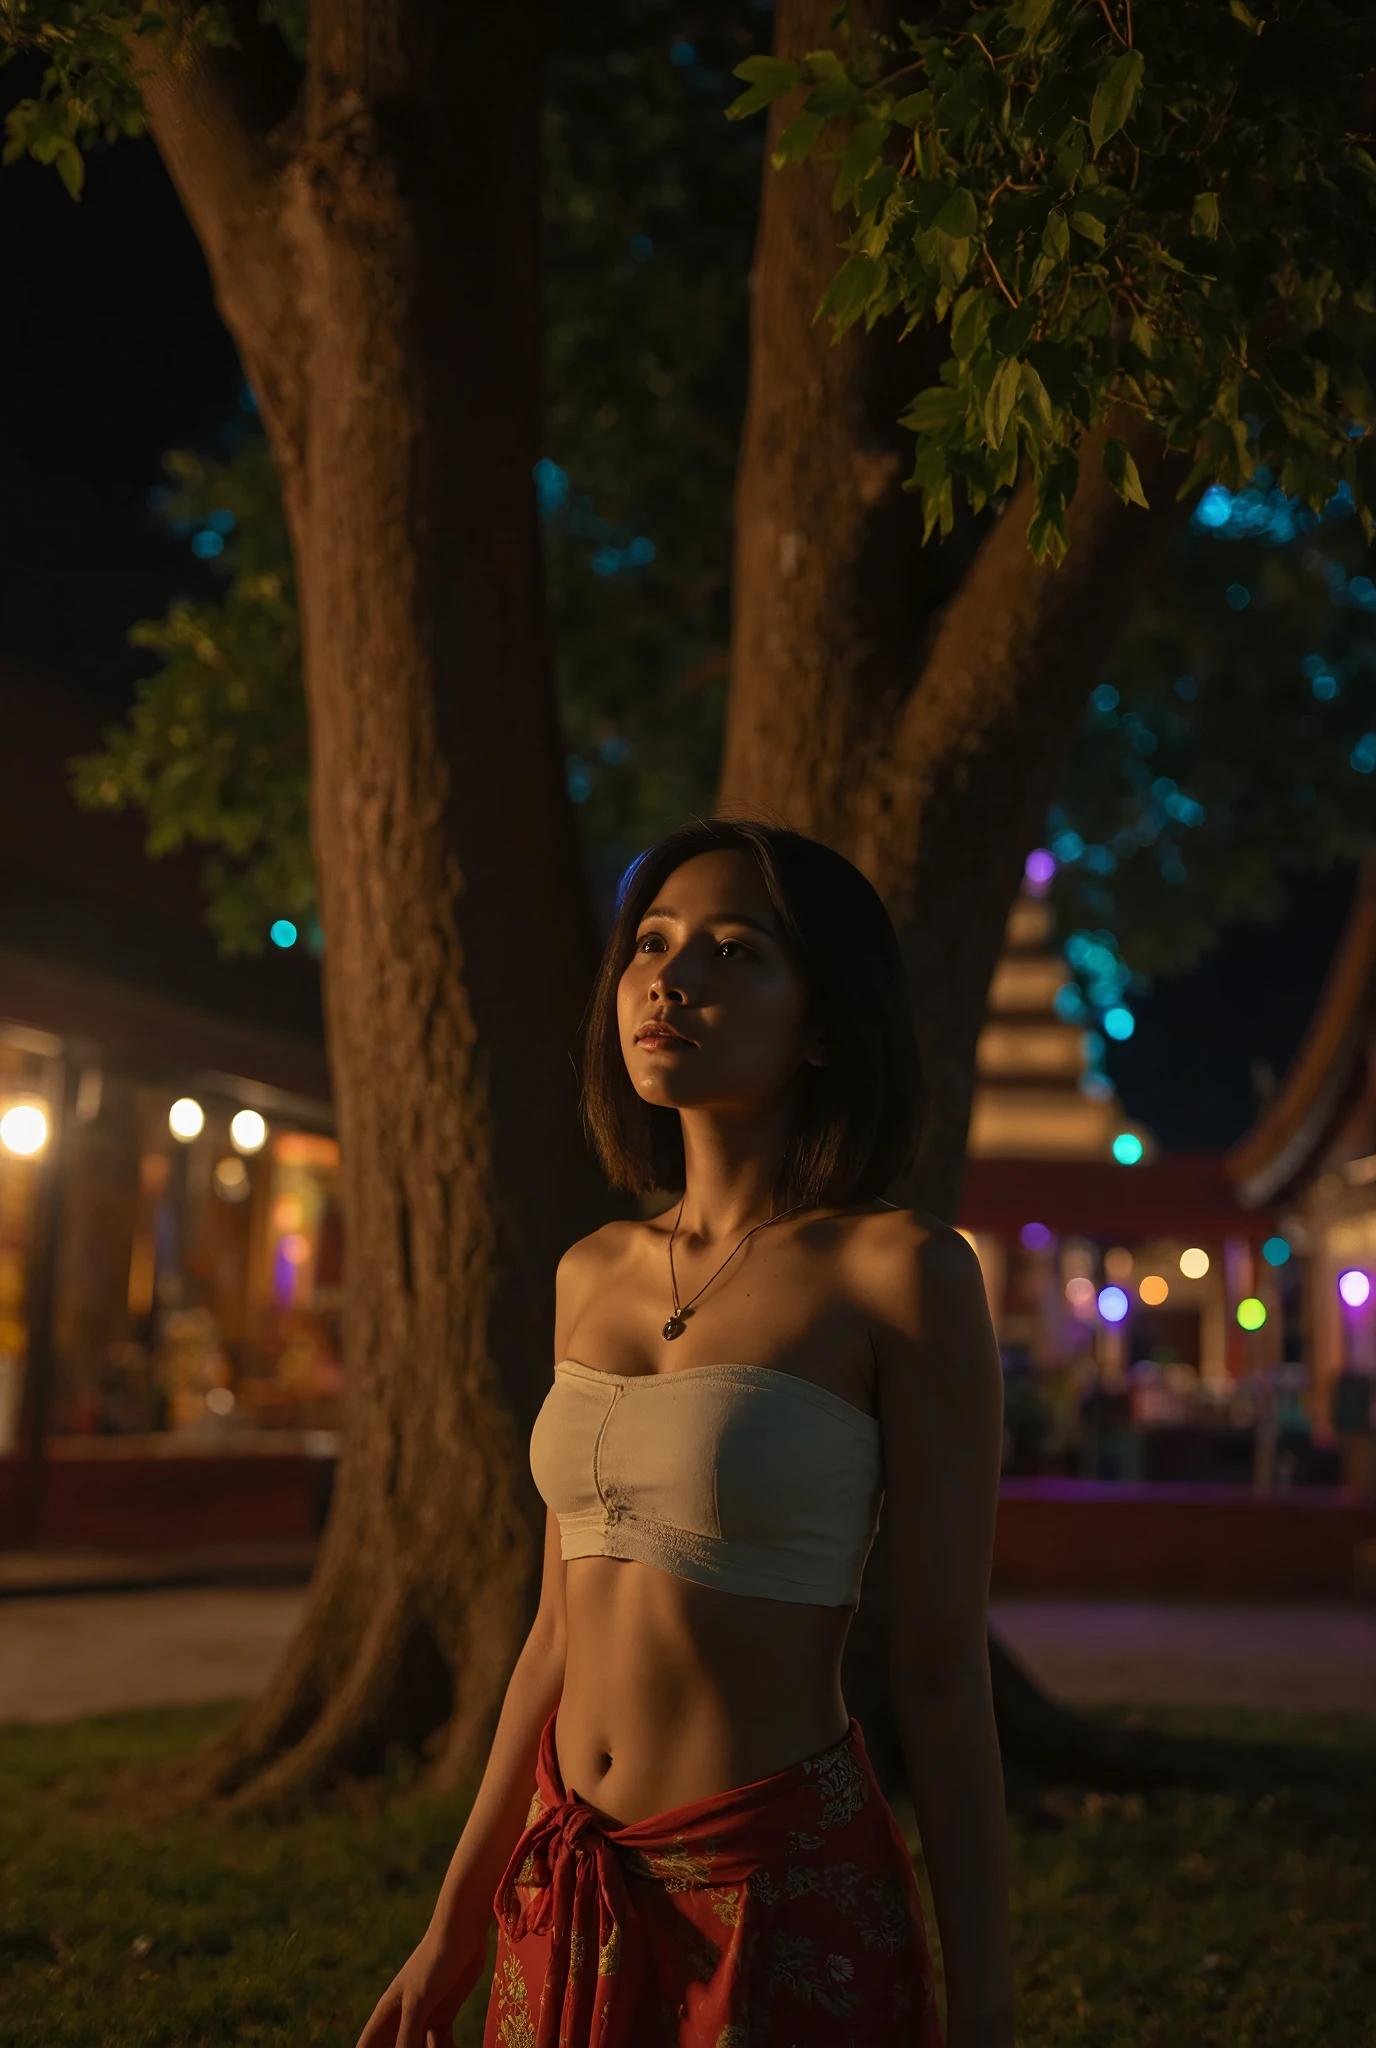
x=783, y=1914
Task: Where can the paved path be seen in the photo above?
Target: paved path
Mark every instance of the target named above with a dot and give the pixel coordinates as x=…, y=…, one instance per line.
x=91, y=1653
x=1305, y=1659
x=83, y=1653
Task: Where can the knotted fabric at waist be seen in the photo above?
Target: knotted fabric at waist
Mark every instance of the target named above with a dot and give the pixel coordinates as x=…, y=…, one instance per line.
x=567, y=1878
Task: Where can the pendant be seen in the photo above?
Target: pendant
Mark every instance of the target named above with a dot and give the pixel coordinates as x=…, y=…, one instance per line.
x=675, y=1327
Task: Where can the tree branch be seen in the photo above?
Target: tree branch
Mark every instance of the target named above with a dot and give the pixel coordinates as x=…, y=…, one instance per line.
x=215, y=116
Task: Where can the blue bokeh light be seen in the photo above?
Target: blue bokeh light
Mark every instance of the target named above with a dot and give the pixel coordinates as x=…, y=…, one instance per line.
x=1119, y=1023
x=282, y=932
x=1276, y=1251
x=1128, y=1148
x=1113, y=1304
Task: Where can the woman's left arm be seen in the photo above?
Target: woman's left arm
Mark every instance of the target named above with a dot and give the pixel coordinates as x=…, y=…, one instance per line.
x=940, y=1396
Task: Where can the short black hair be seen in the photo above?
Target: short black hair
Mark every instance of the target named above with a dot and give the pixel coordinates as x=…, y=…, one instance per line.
x=859, y=1116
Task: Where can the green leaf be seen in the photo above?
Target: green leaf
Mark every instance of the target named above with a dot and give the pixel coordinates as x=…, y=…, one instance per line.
x=850, y=291
x=834, y=97
x=71, y=168
x=1116, y=97
x=1037, y=396
x=1121, y=471
x=970, y=317
x=1143, y=334
x=1089, y=225
x=934, y=409
x=1056, y=237
x=1047, y=537
x=1204, y=216
x=857, y=159
x=1003, y=396
x=959, y=217
x=797, y=141
x=1030, y=17
x=769, y=78
x=1012, y=331
x=953, y=260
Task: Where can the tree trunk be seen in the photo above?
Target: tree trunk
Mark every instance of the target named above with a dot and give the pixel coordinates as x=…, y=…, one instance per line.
x=392, y=325
x=912, y=707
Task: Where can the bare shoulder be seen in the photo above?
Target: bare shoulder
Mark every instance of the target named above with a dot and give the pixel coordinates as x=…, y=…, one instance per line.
x=590, y=1261
x=906, y=1261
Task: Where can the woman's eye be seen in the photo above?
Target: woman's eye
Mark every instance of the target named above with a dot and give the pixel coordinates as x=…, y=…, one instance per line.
x=652, y=942
x=728, y=948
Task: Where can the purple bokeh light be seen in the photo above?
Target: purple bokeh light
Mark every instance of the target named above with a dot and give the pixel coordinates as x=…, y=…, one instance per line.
x=1035, y=1236
x=1039, y=868
x=1113, y=1304
x=1354, y=1287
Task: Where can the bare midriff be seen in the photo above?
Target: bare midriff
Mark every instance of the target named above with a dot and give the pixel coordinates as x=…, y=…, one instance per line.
x=675, y=1691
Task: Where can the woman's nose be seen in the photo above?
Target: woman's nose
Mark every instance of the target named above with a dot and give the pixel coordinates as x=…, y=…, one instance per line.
x=667, y=985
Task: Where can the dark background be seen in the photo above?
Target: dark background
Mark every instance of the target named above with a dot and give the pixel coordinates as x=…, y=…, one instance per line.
x=112, y=352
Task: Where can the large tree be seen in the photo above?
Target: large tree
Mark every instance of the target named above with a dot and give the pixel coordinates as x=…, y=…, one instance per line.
x=372, y=231
x=1073, y=227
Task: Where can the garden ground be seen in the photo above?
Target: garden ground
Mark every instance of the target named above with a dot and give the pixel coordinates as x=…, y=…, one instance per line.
x=1184, y=1920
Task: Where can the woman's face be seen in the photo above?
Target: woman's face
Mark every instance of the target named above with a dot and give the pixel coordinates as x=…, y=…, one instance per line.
x=712, y=1009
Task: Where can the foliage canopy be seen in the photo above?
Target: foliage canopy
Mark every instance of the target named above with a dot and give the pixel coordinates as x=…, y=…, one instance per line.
x=1165, y=208
x=1177, y=811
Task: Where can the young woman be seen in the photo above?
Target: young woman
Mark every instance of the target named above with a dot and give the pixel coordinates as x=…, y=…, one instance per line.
x=708, y=1860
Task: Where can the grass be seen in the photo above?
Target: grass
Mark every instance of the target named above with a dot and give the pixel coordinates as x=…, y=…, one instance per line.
x=1180, y=1921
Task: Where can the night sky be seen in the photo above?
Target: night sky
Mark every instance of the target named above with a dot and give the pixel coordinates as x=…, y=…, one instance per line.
x=112, y=352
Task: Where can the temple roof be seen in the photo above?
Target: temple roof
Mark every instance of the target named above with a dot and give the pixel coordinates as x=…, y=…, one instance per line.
x=1031, y=1101
x=1284, y=1143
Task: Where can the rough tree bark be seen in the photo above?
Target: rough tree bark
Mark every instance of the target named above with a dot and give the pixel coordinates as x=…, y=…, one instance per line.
x=914, y=708
x=373, y=240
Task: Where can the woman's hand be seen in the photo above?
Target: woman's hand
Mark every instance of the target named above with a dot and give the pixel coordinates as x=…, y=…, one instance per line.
x=420, y=2005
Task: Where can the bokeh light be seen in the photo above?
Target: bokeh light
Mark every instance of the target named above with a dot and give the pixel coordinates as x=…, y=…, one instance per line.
x=1154, y=1290
x=1080, y=1295
x=1194, y=1263
x=220, y=1400
x=1119, y=1022
x=1040, y=869
x=1128, y=1148
x=1118, y=1262
x=1113, y=1304
x=296, y=1248
x=1251, y=1313
x=282, y=932
x=247, y=1131
x=1035, y=1237
x=1276, y=1251
x=231, y=1180
x=1355, y=1287
x=24, y=1130
x=186, y=1119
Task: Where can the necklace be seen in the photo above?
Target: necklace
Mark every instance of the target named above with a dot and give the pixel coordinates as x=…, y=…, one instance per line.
x=678, y=1321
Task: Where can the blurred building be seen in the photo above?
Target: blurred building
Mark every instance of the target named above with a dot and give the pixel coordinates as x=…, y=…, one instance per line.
x=1135, y=1306
x=1312, y=1156
x=170, y=1243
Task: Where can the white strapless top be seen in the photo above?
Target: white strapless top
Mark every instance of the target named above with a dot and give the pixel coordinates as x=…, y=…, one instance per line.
x=733, y=1476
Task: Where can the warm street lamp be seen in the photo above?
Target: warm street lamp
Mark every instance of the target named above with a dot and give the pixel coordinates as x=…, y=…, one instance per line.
x=24, y=1130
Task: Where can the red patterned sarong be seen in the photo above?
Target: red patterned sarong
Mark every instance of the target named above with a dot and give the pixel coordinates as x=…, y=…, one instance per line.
x=783, y=1914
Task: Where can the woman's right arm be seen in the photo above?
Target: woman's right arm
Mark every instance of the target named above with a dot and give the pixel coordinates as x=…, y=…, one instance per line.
x=421, y=2002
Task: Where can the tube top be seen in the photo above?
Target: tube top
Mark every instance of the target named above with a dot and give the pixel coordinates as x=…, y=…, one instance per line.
x=734, y=1476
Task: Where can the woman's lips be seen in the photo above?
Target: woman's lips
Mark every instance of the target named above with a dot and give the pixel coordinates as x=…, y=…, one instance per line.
x=662, y=1038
